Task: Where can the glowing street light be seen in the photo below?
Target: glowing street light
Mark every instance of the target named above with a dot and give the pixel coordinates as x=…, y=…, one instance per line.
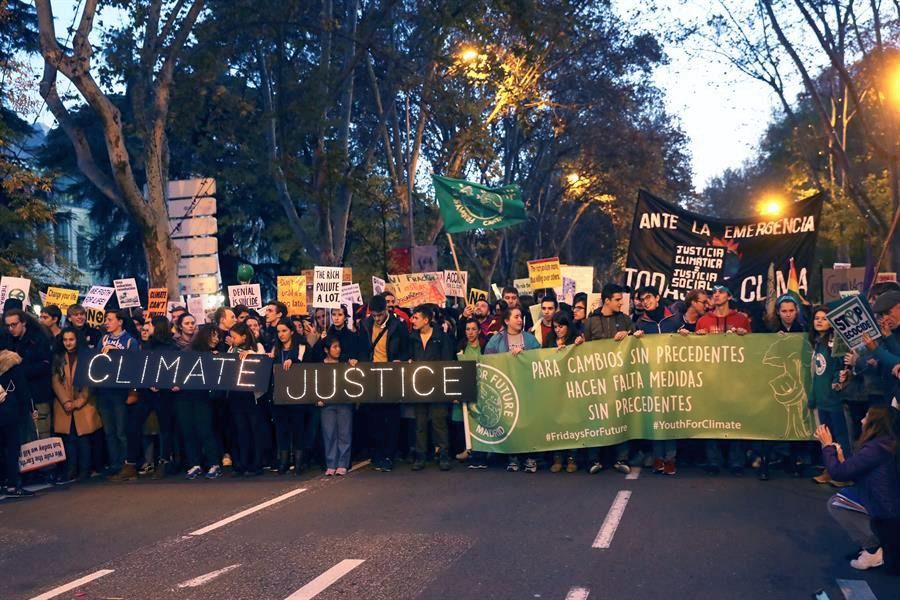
x=771, y=206
x=893, y=86
x=573, y=178
x=468, y=54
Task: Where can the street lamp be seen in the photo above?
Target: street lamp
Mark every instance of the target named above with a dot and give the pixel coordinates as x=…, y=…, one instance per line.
x=771, y=206
x=468, y=54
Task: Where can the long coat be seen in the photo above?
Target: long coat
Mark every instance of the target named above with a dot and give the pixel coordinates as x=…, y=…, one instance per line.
x=87, y=419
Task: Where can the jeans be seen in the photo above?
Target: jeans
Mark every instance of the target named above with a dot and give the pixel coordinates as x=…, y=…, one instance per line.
x=714, y=454
x=386, y=424
x=161, y=403
x=194, y=415
x=437, y=414
x=291, y=422
x=249, y=427
x=837, y=423
x=78, y=453
x=857, y=525
x=337, y=434
x=113, y=412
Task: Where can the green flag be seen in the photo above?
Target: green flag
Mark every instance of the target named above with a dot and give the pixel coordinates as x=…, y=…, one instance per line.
x=466, y=205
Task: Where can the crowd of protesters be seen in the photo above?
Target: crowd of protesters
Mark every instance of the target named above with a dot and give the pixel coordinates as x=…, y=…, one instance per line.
x=155, y=433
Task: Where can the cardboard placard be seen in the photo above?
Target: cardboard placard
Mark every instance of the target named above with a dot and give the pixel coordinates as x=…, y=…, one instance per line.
x=327, y=287
x=127, y=293
x=292, y=292
x=350, y=295
x=41, y=453
x=583, y=276
x=852, y=319
x=455, y=283
x=95, y=317
x=98, y=296
x=248, y=294
x=61, y=297
x=14, y=287
x=196, y=306
x=377, y=285
x=544, y=273
x=523, y=286
x=475, y=295
x=157, y=301
x=413, y=289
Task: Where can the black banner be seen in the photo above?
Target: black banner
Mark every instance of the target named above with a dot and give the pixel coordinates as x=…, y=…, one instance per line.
x=676, y=250
x=138, y=369
x=438, y=381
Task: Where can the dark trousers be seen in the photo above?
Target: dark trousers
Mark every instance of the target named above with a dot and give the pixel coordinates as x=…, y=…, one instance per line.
x=114, y=411
x=436, y=414
x=291, y=422
x=9, y=454
x=837, y=423
x=736, y=456
x=386, y=430
x=888, y=533
x=194, y=415
x=249, y=427
x=161, y=404
x=78, y=453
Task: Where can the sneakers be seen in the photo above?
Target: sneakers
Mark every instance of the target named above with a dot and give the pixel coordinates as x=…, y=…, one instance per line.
x=868, y=560
x=146, y=469
x=226, y=460
x=340, y=471
x=384, y=466
x=669, y=467
x=595, y=468
x=17, y=492
x=556, y=467
x=214, y=472
x=530, y=465
x=126, y=473
x=571, y=465
x=477, y=465
x=622, y=467
x=658, y=465
x=194, y=472
x=418, y=465
x=463, y=456
x=513, y=466
x=330, y=472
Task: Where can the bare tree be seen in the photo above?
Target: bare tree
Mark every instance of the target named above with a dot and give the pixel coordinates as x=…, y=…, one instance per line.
x=151, y=90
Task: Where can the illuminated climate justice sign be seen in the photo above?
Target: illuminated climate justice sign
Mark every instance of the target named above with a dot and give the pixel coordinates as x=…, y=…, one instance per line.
x=169, y=369
x=437, y=381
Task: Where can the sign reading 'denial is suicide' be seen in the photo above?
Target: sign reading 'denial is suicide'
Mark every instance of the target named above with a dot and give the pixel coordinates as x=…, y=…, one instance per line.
x=433, y=381
x=852, y=319
x=168, y=369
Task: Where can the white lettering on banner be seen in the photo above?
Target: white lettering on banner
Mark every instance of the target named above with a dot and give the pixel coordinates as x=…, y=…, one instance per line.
x=91, y=367
x=658, y=220
x=751, y=288
x=785, y=226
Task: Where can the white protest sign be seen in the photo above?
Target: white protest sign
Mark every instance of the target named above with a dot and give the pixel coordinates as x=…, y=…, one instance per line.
x=568, y=291
x=16, y=288
x=327, y=287
x=248, y=294
x=378, y=285
x=195, y=306
x=127, y=293
x=98, y=296
x=455, y=283
x=497, y=293
x=583, y=276
x=523, y=286
x=852, y=319
x=351, y=294
x=41, y=453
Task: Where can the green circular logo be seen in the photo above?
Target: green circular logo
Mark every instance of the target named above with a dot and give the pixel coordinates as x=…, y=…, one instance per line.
x=16, y=294
x=497, y=410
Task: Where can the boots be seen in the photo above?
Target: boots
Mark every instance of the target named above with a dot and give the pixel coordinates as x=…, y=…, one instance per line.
x=298, y=462
x=283, y=458
x=128, y=472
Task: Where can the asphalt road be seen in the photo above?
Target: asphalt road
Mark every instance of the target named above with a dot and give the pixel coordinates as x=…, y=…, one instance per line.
x=457, y=535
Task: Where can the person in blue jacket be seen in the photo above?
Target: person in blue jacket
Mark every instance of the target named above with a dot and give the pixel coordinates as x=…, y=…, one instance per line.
x=874, y=468
x=657, y=318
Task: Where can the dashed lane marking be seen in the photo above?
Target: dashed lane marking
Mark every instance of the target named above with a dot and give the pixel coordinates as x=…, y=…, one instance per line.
x=323, y=581
x=198, y=581
x=611, y=522
x=59, y=591
x=578, y=593
x=247, y=512
x=855, y=589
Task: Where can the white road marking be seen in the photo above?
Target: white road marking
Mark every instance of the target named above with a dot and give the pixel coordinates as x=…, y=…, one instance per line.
x=578, y=593
x=611, y=522
x=635, y=473
x=323, y=581
x=855, y=589
x=247, y=512
x=198, y=581
x=58, y=591
x=361, y=465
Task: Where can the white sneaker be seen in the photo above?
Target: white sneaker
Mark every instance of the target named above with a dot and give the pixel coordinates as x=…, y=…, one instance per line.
x=194, y=472
x=214, y=472
x=868, y=560
x=530, y=465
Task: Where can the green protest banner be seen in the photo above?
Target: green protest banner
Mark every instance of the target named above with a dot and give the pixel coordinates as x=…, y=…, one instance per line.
x=655, y=387
x=466, y=205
